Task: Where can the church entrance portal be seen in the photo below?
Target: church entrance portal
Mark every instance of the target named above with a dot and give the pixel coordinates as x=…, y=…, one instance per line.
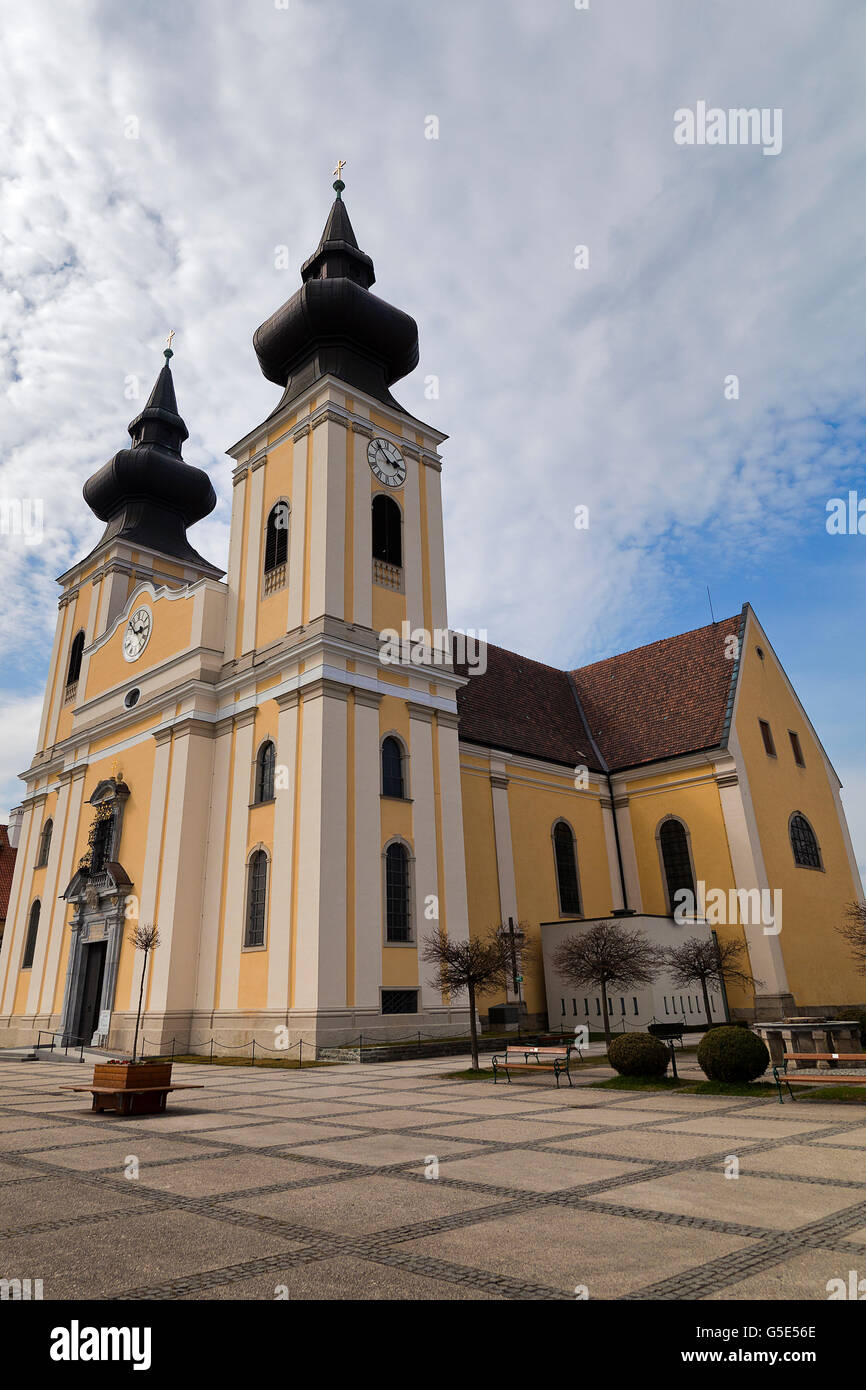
x=91, y=994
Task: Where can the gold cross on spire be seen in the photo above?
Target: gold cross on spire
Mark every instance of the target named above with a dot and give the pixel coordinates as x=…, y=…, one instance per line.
x=168, y=340
x=339, y=169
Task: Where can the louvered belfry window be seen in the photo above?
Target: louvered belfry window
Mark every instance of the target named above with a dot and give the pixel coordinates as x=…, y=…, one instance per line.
x=392, y=768
x=265, y=766
x=277, y=536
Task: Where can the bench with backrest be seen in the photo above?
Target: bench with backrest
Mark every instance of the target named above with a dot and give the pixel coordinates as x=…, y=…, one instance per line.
x=138, y=1100
x=520, y=1057
x=833, y=1076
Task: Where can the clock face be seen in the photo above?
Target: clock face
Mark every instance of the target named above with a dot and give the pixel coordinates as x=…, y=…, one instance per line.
x=137, y=634
x=386, y=462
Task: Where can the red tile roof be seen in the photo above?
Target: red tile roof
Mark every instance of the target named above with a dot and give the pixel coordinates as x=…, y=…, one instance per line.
x=654, y=702
x=661, y=700
x=523, y=706
x=7, y=868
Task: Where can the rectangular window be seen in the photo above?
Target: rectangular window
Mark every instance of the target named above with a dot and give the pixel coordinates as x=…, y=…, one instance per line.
x=767, y=736
x=562, y=1006
x=667, y=1010
x=574, y=1007
x=796, y=749
x=598, y=1006
x=622, y=1005
x=682, y=1007
x=586, y=1006
x=399, y=1001
x=634, y=1001
x=691, y=1010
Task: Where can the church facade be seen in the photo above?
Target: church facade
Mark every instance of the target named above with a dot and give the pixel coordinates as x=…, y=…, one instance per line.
x=249, y=761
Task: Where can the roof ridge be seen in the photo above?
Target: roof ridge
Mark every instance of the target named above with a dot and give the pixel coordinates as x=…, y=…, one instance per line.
x=659, y=642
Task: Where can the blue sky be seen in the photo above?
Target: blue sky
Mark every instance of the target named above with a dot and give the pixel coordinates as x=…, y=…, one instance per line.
x=558, y=386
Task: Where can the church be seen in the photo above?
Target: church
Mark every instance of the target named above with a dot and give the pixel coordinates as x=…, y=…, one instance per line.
x=237, y=758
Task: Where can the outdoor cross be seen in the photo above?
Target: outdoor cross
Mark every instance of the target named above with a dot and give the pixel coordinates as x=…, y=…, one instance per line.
x=170, y=337
x=339, y=169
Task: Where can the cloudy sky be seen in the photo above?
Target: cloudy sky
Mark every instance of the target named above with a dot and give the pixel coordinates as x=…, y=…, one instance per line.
x=154, y=158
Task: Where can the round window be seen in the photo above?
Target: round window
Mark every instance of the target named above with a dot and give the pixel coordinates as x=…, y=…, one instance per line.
x=131, y=697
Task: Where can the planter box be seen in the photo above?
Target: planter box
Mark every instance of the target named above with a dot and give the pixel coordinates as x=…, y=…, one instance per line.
x=126, y=1076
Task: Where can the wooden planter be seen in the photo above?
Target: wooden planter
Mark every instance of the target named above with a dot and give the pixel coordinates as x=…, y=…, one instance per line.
x=126, y=1076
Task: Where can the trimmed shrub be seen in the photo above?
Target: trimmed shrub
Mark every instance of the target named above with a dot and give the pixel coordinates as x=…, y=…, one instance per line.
x=638, y=1054
x=732, y=1054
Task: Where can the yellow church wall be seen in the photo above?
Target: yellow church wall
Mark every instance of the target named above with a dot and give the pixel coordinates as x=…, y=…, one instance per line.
x=130, y=731
x=76, y=620
x=482, y=880
x=253, y=979
x=818, y=964
x=533, y=810
x=699, y=807
x=399, y=967
x=171, y=632
x=389, y=609
x=272, y=609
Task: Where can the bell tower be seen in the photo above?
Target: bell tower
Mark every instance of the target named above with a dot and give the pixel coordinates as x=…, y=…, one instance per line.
x=337, y=643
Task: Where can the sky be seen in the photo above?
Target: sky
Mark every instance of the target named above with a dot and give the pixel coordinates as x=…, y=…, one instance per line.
x=169, y=166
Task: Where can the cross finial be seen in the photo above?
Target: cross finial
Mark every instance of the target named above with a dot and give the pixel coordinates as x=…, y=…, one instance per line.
x=338, y=184
x=168, y=352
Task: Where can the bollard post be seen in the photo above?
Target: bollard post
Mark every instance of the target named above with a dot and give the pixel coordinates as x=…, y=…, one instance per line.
x=673, y=1057
x=254, y=1052
x=211, y=1049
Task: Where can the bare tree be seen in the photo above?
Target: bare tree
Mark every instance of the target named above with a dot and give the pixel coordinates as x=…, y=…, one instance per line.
x=144, y=937
x=853, y=930
x=475, y=967
x=608, y=956
x=705, y=961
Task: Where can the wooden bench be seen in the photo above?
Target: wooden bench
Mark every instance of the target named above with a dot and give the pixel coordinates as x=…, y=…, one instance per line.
x=823, y=1078
x=522, y=1058
x=151, y=1100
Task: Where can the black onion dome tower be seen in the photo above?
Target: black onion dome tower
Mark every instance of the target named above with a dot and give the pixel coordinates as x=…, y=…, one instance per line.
x=334, y=326
x=147, y=494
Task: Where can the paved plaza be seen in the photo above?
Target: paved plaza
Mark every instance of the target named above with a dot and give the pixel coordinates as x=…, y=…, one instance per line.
x=392, y=1181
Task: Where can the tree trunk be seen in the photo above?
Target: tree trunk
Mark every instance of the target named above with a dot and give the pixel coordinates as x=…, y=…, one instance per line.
x=473, y=1030
x=706, y=1001
x=608, y=1037
x=140, y=997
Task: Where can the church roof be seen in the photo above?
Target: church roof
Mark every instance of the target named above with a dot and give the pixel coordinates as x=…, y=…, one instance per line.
x=657, y=701
x=523, y=706
x=660, y=700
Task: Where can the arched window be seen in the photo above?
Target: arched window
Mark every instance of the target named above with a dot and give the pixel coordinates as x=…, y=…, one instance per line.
x=392, y=768
x=265, y=764
x=75, y=652
x=566, y=869
x=44, y=844
x=103, y=836
x=398, y=916
x=387, y=530
x=32, y=931
x=277, y=537
x=257, y=896
x=804, y=842
x=677, y=861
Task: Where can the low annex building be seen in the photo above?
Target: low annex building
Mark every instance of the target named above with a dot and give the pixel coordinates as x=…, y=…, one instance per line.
x=237, y=758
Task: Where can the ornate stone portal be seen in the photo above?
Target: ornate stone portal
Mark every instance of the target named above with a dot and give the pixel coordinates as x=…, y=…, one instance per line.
x=98, y=892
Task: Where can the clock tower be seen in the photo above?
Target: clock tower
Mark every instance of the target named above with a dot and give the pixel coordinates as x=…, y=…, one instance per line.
x=263, y=766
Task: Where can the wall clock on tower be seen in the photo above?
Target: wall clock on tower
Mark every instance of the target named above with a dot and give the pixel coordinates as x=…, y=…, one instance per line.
x=387, y=462
x=137, y=634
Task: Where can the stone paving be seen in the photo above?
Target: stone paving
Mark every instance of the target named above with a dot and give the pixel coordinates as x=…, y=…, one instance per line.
x=320, y=1184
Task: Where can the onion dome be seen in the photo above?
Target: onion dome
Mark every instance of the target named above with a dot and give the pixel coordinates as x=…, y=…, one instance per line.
x=147, y=494
x=334, y=326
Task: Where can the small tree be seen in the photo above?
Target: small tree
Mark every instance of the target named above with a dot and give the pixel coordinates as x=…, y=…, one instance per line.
x=606, y=956
x=706, y=960
x=853, y=930
x=144, y=937
x=475, y=967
